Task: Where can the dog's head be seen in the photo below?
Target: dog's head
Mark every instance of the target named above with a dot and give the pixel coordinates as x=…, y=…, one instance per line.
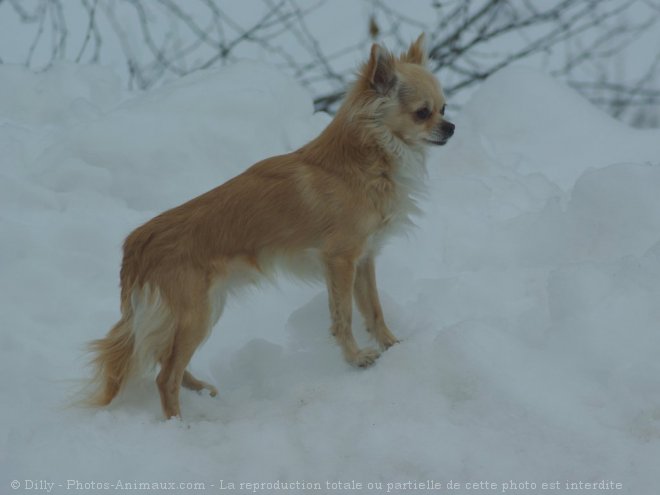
x=410, y=102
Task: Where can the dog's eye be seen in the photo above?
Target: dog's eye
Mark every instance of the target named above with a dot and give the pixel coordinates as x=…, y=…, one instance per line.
x=442, y=110
x=423, y=113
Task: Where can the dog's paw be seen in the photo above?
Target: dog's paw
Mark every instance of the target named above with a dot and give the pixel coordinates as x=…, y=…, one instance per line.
x=384, y=337
x=388, y=341
x=199, y=386
x=211, y=390
x=365, y=357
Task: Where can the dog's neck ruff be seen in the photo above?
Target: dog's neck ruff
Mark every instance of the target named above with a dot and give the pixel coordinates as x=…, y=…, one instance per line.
x=410, y=172
x=409, y=177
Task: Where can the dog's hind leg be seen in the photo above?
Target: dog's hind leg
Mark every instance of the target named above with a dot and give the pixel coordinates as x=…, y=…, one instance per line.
x=217, y=298
x=192, y=313
x=189, y=334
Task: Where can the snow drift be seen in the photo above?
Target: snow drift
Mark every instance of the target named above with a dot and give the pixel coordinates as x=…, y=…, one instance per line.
x=527, y=301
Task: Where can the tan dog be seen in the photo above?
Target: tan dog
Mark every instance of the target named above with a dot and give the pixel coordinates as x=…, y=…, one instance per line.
x=330, y=203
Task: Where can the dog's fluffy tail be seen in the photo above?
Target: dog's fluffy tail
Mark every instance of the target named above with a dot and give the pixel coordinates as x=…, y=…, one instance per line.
x=113, y=362
x=134, y=345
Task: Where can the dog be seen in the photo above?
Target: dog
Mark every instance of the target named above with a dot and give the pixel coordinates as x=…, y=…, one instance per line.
x=330, y=205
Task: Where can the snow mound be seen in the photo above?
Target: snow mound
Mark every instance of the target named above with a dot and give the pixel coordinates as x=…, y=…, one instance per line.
x=537, y=125
x=65, y=94
x=527, y=300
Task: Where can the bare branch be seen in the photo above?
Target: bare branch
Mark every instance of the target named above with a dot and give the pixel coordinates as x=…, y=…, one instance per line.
x=91, y=30
x=469, y=40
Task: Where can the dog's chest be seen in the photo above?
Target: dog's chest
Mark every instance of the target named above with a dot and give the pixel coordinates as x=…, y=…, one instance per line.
x=395, y=194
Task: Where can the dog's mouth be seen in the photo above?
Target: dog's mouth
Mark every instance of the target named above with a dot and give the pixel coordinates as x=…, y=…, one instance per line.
x=437, y=142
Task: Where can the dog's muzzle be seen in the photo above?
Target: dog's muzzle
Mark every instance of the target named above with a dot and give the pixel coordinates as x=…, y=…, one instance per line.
x=441, y=133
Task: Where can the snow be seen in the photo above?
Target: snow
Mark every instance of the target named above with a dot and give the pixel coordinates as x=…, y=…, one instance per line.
x=526, y=301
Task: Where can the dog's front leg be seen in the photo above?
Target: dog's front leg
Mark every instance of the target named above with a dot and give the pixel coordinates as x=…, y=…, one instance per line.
x=340, y=277
x=366, y=297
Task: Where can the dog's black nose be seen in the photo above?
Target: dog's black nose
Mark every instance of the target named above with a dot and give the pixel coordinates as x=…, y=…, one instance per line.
x=447, y=128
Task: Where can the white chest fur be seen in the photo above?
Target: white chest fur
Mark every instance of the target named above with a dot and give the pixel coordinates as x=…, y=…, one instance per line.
x=409, y=181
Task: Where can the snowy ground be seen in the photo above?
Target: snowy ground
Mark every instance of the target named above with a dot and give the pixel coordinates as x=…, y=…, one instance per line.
x=527, y=301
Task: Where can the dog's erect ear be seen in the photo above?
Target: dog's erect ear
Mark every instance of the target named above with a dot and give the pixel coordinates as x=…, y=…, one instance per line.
x=417, y=52
x=381, y=70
